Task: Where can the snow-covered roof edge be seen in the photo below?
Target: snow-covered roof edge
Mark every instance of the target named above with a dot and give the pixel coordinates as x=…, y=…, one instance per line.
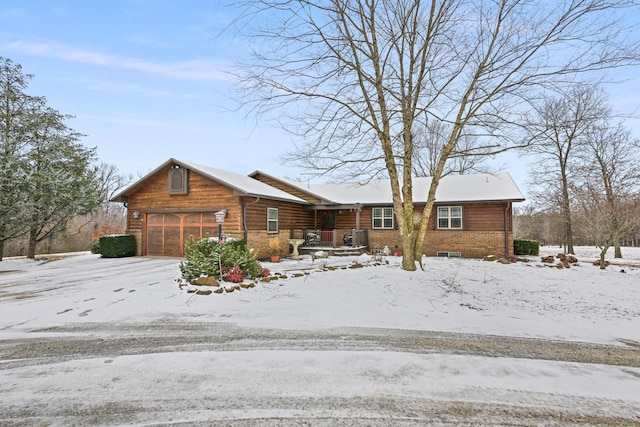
x=486, y=187
x=241, y=183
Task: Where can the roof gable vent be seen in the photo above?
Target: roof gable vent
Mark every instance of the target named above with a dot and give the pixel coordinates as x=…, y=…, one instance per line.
x=178, y=180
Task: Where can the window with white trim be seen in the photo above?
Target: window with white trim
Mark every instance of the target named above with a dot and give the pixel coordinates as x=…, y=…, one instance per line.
x=450, y=217
x=382, y=217
x=272, y=220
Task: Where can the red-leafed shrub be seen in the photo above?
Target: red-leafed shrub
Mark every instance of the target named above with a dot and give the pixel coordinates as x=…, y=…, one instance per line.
x=233, y=274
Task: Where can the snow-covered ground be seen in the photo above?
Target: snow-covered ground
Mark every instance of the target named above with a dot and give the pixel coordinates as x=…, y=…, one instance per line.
x=458, y=295
x=48, y=298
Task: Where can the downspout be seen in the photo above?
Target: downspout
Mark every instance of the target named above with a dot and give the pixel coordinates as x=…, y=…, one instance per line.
x=506, y=230
x=244, y=217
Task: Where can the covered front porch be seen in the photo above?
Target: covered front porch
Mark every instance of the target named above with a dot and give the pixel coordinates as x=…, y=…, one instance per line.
x=332, y=241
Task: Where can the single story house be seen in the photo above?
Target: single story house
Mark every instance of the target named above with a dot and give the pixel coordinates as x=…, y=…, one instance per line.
x=472, y=215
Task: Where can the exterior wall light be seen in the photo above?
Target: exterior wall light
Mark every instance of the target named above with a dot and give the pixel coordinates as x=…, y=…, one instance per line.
x=220, y=215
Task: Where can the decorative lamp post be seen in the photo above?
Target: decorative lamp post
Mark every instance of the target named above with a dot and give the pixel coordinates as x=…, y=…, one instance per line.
x=220, y=219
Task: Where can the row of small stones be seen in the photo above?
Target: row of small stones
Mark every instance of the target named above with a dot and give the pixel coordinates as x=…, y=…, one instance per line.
x=276, y=276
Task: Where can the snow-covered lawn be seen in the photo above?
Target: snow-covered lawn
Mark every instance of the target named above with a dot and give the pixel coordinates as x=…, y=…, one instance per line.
x=459, y=295
x=580, y=304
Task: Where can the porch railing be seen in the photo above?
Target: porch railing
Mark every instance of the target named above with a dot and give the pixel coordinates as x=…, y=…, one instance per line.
x=332, y=238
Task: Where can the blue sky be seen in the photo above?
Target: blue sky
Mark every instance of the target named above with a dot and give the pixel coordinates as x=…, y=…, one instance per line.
x=141, y=78
x=144, y=82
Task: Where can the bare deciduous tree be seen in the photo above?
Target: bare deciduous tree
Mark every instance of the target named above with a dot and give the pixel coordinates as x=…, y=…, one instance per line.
x=431, y=140
x=557, y=130
x=109, y=217
x=355, y=79
x=602, y=221
x=610, y=175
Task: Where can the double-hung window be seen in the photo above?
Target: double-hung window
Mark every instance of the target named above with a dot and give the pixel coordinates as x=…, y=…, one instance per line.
x=450, y=217
x=382, y=218
x=272, y=220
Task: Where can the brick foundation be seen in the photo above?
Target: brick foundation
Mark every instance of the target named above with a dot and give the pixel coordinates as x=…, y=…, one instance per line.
x=476, y=244
x=259, y=241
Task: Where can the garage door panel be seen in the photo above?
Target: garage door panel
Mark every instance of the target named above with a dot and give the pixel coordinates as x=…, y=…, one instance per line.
x=167, y=232
x=155, y=219
x=154, y=241
x=171, y=219
x=194, y=218
x=191, y=231
x=172, y=242
x=209, y=231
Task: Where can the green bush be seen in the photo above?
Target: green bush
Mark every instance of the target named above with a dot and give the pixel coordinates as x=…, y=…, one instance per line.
x=203, y=258
x=206, y=258
x=235, y=253
x=95, y=247
x=526, y=247
x=117, y=245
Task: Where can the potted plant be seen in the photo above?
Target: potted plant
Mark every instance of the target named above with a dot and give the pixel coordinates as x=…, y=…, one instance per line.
x=274, y=249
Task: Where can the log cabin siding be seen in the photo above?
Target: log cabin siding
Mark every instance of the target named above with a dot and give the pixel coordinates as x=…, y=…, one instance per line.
x=153, y=202
x=204, y=194
x=346, y=219
x=484, y=217
x=290, y=215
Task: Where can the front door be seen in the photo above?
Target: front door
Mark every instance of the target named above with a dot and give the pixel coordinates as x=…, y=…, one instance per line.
x=328, y=220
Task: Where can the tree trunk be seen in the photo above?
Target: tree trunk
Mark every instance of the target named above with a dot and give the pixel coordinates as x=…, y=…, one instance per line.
x=33, y=241
x=617, y=249
x=408, y=262
x=1, y=249
x=407, y=229
x=603, y=263
x=566, y=214
x=569, y=235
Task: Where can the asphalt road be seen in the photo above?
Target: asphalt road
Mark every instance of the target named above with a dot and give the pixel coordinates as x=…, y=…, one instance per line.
x=202, y=396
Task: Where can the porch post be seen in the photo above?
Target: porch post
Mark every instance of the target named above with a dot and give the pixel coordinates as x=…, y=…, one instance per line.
x=356, y=233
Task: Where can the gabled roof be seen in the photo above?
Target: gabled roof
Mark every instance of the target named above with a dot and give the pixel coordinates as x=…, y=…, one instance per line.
x=242, y=185
x=452, y=188
x=299, y=185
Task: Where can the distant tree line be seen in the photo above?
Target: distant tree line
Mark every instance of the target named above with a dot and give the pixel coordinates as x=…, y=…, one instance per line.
x=48, y=179
x=586, y=179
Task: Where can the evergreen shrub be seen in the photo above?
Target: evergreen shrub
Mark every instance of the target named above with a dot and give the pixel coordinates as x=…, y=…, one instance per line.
x=95, y=247
x=231, y=261
x=117, y=245
x=526, y=247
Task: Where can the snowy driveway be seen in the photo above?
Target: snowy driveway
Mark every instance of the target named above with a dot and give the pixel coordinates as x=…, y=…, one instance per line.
x=89, y=341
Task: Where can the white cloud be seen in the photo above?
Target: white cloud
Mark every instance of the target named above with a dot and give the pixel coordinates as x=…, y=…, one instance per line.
x=185, y=70
x=111, y=87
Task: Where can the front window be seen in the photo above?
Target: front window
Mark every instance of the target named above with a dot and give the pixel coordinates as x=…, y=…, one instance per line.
x=382, y=217
x=450, y=217
x=272, y=220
